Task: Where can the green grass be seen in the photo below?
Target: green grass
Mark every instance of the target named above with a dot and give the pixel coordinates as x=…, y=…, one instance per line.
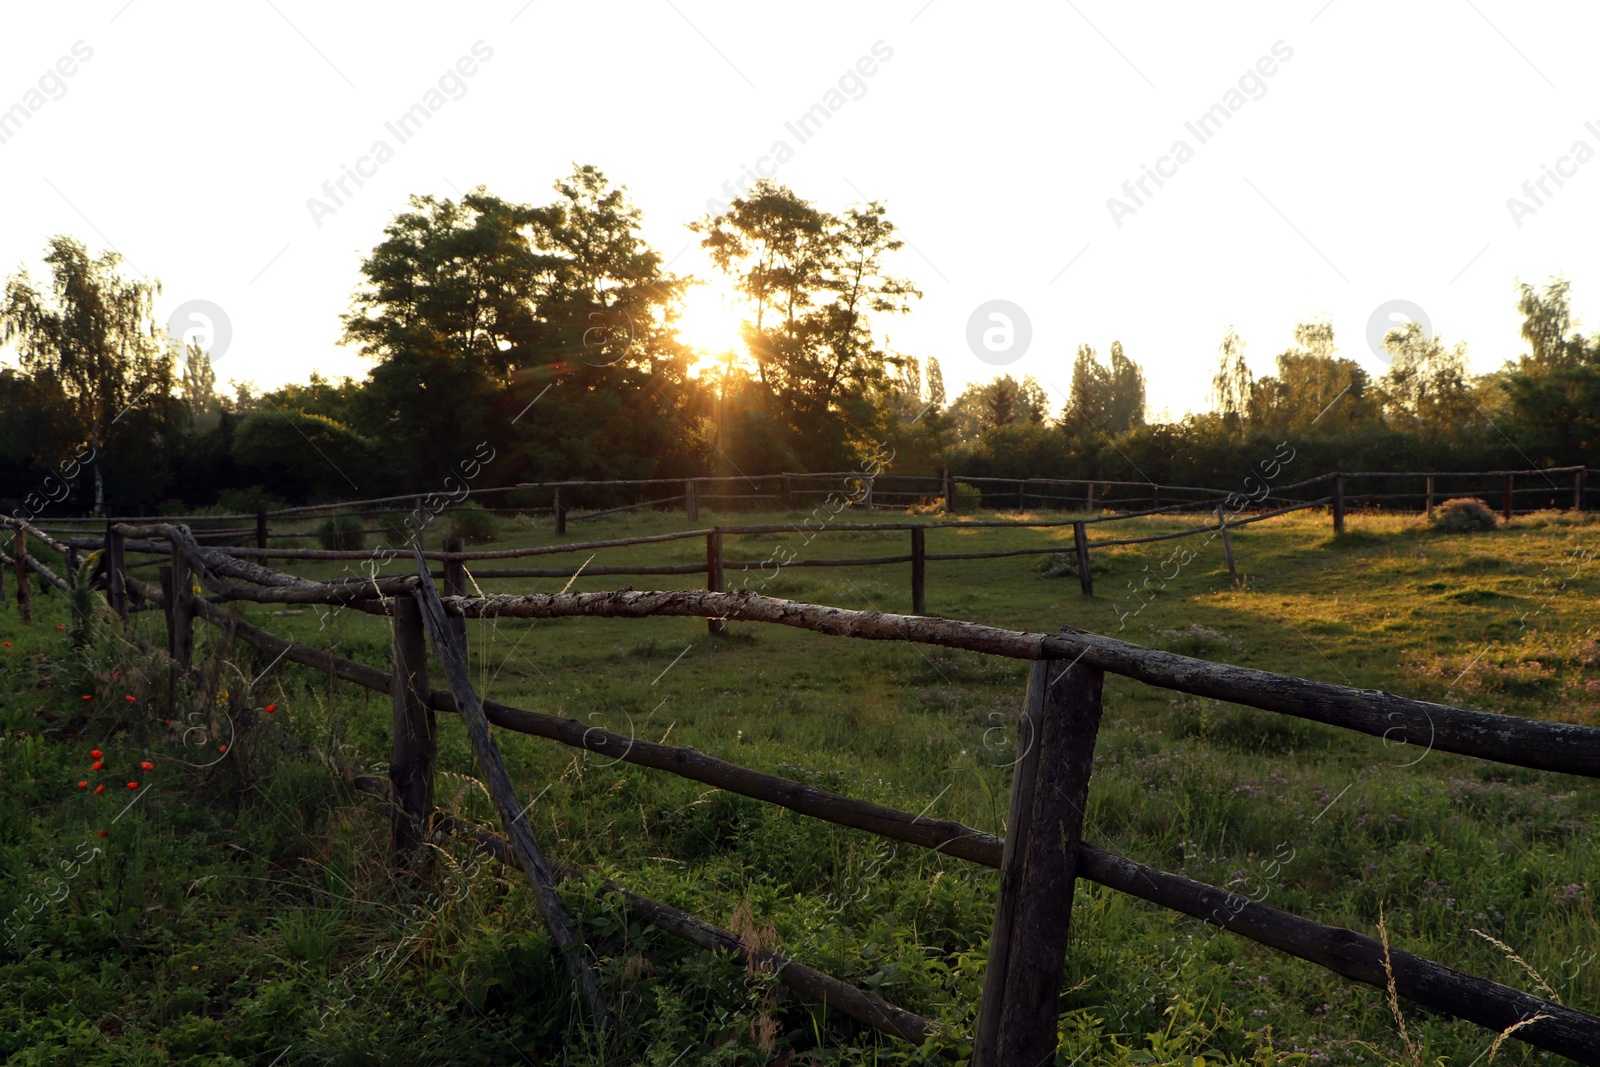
x=242, y=911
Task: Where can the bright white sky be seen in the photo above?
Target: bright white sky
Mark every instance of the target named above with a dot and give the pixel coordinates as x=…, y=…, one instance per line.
x=1377, y=164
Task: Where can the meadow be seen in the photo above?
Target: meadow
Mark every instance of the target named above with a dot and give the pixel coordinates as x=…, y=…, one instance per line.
x=242, y=913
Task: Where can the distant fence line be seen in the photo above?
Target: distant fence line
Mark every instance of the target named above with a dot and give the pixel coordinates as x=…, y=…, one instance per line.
x=1225, y=515
x=1040, y=858
x=898, y=491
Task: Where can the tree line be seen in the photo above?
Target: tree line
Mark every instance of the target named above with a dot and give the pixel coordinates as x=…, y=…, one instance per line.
x=553, y=333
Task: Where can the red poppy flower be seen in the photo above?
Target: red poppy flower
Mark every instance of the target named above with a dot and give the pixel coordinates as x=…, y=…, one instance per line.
x=222, y=748
x=95, y=753
x=99, y=789
x=8, y=644
x=147, y=766
x=130, y=698
x=271, y=708
x=86, y=696
x=116, y=674
x=133, y=785
x=102, y=833
x=83, y=785
x=60, y=627
x=97, y=764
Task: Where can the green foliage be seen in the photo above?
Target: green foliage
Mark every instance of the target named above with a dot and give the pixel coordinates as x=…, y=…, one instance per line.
x=342, y=533
x=470, y=522
x=1464, y=515
x=248, y=912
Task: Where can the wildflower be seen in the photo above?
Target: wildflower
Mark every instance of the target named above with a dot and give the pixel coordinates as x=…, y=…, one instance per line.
x=86, y=696
x=8, y=644
x=95, y=753
x=99, y=789
x=83, y=785
x=271, y=708
x=146, y=765
x=97, y=764
x=133, y=785
x=60, y=627
x=222, y=748
x=130, y=698
x=102, y=833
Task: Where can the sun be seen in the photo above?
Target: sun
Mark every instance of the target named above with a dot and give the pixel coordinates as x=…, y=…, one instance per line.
x=709, y=324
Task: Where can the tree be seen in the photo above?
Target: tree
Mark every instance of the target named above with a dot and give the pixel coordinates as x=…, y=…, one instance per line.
x=199, y=385
x=1004, y=401
x=935, y=384
x=474, y=310
x=448, y=298
x=94, y=340
x=1553, y=392
x=1427, y=386
x=1233, y=384
x=812, y=282
x=1102, y=399
x=1312, y=388
x=1127, y=405
x=1547, y=325
x=300, y=455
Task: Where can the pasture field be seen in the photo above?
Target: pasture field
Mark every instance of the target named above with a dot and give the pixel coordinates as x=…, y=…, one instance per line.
x=242, y=913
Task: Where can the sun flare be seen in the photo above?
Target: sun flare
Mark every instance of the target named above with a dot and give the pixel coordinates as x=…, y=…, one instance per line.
x=709, y=324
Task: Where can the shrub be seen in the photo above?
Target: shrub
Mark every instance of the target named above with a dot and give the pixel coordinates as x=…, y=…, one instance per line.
x=471, y=523
x=342, y=532
x=1464, y=515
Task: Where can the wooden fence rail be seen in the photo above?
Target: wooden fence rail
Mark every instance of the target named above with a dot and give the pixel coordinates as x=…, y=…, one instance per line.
x=866, y=490
x=1042, y=853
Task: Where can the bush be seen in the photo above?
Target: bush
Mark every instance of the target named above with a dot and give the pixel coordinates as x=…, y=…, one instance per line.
x=342, y=533
x=969, y=498
x=1464, y=515
x=471, y=523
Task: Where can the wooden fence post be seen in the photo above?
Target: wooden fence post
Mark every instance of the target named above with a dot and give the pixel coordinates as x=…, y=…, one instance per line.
x=919, y=571
x=561, y=513
x=72, y=567
x=19, y=545
x=1429, y=508
x=1038, y=869
x=787, y=494
x=949, y=493
x=116, y=573
x=1088, y=503
x=261, y=528
x=179, y=612
x=691, y=501
x=867, y=500
x=415, y=731
x=714, y=627
x=1505, y=499
x=1227, y=545
x=1155, y=495
x=1022, y=501
x=455, y=584
x=1080, y=545
x=1577, y=490
x=1338, y=503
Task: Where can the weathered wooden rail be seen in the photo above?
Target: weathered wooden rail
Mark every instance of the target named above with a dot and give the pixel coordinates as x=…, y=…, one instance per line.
x=1043, y=852
x=1339, y=492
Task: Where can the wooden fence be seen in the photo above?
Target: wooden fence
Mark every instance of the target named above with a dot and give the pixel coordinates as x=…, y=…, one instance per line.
x=1042, y=854
x=1516, y=492
x=1340, y=498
